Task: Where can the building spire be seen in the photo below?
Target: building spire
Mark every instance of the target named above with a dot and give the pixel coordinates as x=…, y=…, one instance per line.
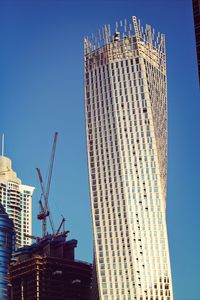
x=2, y=144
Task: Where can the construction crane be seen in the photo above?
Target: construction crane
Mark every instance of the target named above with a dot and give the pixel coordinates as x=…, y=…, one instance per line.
x=44, y=207
x=44, y=203
x=32, y=237
x=64, y=232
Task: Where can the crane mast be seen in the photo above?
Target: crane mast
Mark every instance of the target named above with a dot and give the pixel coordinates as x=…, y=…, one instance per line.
x=44, y=207
x=44, y=203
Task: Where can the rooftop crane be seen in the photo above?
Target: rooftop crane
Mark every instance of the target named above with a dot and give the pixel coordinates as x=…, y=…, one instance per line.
x=44, y=207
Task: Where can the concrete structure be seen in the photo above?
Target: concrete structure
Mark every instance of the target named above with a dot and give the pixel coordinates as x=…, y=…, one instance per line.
x=47, y=270
x=196, y=12
x=16, y=199
x=6, y=247
x=126, y=124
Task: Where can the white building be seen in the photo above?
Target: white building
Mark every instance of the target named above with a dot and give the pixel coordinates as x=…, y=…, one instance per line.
x=17, y=200
x=126, y=124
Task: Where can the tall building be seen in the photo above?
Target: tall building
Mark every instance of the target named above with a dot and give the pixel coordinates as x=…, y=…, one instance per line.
x=196, y=12
x=126, y=126
x=47, y=270
x=16, y=199
x=7, y=237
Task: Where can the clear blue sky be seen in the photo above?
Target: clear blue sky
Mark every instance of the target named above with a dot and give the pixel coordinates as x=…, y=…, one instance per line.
x=41, y=90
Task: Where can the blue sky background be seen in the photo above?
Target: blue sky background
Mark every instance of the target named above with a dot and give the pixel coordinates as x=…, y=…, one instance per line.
x=41, y=91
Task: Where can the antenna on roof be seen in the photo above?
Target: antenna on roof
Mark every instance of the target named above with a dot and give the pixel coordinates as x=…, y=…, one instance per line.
x=125, y=25
x=116, y=26
x=2, y=144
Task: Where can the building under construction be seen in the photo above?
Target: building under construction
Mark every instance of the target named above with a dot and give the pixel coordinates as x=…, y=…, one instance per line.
x=47, y=270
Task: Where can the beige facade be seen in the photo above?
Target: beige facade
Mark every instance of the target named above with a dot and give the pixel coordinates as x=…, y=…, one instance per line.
x=126, y=124
x=17, y=201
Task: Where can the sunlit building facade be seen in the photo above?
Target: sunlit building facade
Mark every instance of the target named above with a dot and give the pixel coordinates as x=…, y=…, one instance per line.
x=17, y=201
x=126, y=126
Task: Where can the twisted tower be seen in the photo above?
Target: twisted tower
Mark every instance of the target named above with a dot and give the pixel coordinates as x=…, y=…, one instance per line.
x=126, y=124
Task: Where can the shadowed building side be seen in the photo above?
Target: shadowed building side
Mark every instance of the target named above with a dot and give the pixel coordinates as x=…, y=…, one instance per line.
x=47, y=270
x=6, y=247
x=196, y=13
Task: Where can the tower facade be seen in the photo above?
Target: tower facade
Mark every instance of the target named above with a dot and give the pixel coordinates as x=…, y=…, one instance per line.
x=196, y=13
x=6, y=247
x=126, y=126
x=17, y=201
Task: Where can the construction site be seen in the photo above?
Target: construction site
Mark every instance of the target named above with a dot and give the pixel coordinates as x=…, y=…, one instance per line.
x=47, y=269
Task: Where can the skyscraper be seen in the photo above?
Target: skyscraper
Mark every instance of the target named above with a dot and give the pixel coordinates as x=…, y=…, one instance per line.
x=196, y=13
x=6, y=246
x=16, y=199
x=126, y=126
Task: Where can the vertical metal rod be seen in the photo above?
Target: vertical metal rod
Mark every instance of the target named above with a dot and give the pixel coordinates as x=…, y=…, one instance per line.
x=2, y=144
